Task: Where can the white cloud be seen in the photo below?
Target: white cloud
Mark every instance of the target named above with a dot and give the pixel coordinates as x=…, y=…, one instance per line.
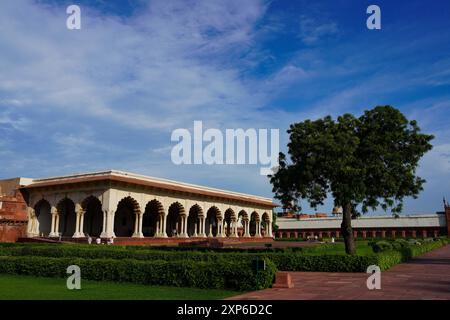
x=157, y=70
x=109, y=94
x=16, y=123
x=312, y=29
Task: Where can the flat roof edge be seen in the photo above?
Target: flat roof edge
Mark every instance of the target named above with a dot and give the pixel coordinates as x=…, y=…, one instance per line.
x=116, y=175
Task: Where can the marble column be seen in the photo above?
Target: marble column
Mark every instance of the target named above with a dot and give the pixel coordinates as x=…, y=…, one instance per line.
x=163, y=233
x=184, y=233
x=247, y=229
x=269, y=229
x=79, y=220
x=195, y=230
x=81, y=229
x=109, y=224
x=202, y=227
x=54, y=231
x=105, y=218
x=53, y=224
x=220, y=229
x=157, y=227
x=258, y=229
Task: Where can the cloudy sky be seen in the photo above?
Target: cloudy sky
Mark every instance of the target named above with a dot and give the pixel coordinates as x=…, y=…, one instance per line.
x=110, y=95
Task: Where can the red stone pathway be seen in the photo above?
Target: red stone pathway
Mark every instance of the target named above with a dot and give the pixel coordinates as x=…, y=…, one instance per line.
x=424, y=277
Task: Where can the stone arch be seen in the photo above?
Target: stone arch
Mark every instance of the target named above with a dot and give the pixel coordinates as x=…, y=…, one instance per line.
x=265, y=226
x=254, y=219
x=174, y=219
x=68, y=217
x=229, y=221
x=213, y=218
x=152, y=219
x=93, y=216
x=43, y=214
x=125, y=217
x=243, y=215
x=195, y=214
x=243, y=218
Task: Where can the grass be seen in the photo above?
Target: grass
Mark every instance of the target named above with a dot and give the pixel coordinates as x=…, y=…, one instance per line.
x=14, y=287
x=362, y=248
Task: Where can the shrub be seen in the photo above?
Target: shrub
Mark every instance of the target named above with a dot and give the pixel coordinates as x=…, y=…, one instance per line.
x=322, y=263
x=380, y=246
x=400, y=243
x=387, y=259
x=425, y=247
x=142, y=254
x=237, y=275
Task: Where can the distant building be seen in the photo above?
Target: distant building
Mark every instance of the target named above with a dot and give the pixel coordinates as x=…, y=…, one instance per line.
x=430, y=225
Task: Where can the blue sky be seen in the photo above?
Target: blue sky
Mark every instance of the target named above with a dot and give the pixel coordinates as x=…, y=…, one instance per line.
x=109, y=95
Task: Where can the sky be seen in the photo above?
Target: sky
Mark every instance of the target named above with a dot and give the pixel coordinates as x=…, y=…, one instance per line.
x=109, y=96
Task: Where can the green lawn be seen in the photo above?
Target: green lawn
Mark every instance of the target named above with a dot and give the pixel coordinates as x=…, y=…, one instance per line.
x=362, y=248
x=27, y=287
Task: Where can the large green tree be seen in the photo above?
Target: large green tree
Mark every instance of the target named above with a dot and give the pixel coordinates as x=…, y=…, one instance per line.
x=366, y=162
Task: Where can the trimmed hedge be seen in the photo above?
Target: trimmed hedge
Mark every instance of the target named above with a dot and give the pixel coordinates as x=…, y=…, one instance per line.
x=389, y=253
x=413, y=246
x=285, y=261
x=323, y=263
x=400, y=250
x=427, y=246
x=218, y=275
x=388, y=259
x=150, y=248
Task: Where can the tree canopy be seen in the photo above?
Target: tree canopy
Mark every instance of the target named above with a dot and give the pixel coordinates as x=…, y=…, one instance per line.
x=369, y=161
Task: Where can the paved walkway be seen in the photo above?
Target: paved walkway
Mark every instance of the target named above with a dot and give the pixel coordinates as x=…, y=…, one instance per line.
x=424, y=277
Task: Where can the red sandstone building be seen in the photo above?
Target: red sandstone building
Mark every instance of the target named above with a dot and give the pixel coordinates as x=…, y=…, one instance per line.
x=404, y=226
x=13, y=211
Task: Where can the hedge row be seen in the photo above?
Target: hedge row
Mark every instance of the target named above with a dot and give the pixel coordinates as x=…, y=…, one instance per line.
x=401, y=250
x=285, y=261
x=425, y=247
x=219, y=275
x=411, y=247
x=323, y=263
x=100, y=252
x=150, y=248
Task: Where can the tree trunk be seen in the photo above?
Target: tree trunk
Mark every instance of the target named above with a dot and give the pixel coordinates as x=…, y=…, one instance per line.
x=346, y=229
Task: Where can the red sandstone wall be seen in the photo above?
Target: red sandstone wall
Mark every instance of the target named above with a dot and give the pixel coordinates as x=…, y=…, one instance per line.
x=13, y=213
x=14, y=208
x=10, y=232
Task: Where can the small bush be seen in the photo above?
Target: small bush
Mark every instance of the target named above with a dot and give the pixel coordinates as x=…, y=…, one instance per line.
x=400, y=243
x=388, y=259
x=380, y=246
x=323, y=263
